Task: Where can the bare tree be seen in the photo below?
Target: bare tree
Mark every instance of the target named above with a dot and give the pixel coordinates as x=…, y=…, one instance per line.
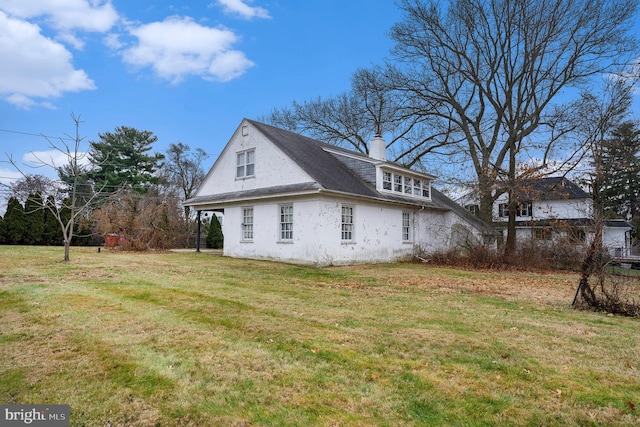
x=373, y=106
x=59, y=197
x=184, y=171
x=497, y=71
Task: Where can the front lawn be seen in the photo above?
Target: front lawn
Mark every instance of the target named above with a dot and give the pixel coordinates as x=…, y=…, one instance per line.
x=198, y=339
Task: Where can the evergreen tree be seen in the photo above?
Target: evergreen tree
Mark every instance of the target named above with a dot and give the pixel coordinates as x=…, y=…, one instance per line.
x=33, y=220
x=2, y=231
x=14, y=222
x=52, y=234
x=121, y=160
x=215, y=238
x=620, y=190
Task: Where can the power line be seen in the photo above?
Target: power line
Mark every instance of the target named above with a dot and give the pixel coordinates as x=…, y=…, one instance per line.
x=35, y=134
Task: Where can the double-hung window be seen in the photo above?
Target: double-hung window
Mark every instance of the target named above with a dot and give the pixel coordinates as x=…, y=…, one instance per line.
x=347, y=223
x=286, y=222
x=386, y=180
x=245, y=164
x=406, y=226
x=247, y=224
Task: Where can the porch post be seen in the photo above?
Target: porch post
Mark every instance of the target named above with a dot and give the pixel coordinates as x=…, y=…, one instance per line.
x=198, y=233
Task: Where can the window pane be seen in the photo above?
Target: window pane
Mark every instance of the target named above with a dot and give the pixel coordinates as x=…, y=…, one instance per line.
x=397, y=183
x=386, y=180
x=250, y=170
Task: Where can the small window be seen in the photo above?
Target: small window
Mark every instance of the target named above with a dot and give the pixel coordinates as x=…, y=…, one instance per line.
x=386, y=180
x=417, y=187
x=347, y=223
x=247, y=223
x=426, y=189
x=406, y=226
x=408, y=185
x=286, y=222
x=397, y=183
x=245, y=164
x=524, y=209
x=474, y=209
x=503, y=210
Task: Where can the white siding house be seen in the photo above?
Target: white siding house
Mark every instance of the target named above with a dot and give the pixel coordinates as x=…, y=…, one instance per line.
x=554, y=207
x=291, y=198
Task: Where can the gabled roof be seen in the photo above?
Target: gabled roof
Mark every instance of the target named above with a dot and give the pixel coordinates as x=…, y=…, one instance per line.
x=552, y=188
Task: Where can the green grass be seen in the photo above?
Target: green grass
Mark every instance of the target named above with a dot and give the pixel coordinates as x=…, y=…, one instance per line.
x=195, y=339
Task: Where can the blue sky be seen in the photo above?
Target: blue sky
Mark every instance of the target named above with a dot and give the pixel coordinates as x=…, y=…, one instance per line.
x=186, y=71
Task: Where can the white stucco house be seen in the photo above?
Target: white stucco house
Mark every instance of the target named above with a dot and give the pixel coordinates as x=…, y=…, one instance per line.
x=291, y=198
x=554, y=207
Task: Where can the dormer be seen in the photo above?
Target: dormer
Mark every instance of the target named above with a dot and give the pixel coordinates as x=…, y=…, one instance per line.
x=399, y=181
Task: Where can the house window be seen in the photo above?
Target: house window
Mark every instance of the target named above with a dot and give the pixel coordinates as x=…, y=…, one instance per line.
x=503, y=210
x=474, y=209
x=386, y=180
x=406, y=226
x=417, y=187
x=408, y=186
x=524, y=209
x=286, y=222
x=543, y=233
x=397, y=183
x=247, y=223
x=347, y=223
x=245, y=164
x=426, y=189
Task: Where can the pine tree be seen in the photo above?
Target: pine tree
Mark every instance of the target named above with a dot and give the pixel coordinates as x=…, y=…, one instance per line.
x=215, y=238
x=620, y=190
x=14, y=222
x=120, y=159
x=34, y=220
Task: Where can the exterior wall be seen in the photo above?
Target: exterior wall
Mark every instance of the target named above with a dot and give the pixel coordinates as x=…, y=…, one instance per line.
x=317, y=233
x=615, y=240
x=438, y=231
x=550, y=209
x=222, y=176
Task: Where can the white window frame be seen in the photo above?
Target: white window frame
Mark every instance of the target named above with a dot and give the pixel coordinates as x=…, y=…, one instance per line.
x=409, y=185
x=406, y=226
x=347, y=222
x=245, y=164
x=286, y=222
x=247, y=224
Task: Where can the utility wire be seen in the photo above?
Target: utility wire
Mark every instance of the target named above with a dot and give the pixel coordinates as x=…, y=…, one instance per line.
x=35, y=134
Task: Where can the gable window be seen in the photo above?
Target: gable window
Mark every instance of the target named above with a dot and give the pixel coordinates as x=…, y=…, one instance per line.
x=406, y=226
x=247, y=224
x=286, y=222
x=474, y=209
x=347, y=223
x=245, y=164
x=503, y=210
x=524, y=209
x=386, y=180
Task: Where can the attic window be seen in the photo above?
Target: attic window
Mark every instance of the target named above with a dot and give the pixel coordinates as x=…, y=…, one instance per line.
x=245, y=130
x=245, y=164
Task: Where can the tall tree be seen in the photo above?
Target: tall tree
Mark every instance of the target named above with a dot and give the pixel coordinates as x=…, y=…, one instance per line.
x=184, y=170
x=373, y=106
x=620, y=190
x=496, y=71
x=121, y=159
x=14, y=222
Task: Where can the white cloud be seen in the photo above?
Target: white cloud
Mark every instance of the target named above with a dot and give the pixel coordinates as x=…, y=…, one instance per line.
x=52, y=158
x=178, y=47
x=239, y=7
x=39, y=67
x=66, y=15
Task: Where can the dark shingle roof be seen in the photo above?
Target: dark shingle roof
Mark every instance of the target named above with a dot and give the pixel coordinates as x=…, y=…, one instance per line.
x=337, y=170
x=553, y=188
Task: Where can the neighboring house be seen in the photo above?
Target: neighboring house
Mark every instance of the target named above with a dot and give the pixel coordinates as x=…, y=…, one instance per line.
x=291, y=198
x=556, y=207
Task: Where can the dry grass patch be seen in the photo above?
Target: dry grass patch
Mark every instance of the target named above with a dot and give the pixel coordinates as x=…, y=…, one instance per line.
x=196, y=339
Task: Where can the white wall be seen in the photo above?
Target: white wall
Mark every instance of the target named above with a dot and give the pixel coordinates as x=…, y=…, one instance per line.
x=222, y=176
x=317, y=233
